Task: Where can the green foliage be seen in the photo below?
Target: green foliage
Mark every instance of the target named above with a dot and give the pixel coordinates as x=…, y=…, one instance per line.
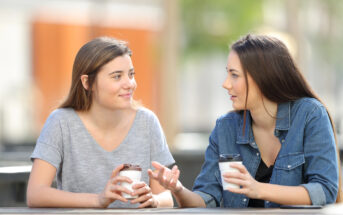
x=211, y=25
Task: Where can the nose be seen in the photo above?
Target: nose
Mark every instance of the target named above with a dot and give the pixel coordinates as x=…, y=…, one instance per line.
x=227, y=84
x=129, y=83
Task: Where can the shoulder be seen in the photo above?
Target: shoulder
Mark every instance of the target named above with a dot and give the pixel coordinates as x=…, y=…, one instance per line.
x=56, y=121
x=230, y=117
x=146, y=115
x=308, y=102
x=61, y=114
x=307, y=109
x=307, y=105
x=146, y=121
x=228, y=123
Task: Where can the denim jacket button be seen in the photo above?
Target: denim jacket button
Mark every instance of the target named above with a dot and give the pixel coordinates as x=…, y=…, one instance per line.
x=289, y=166
x=257, y=154
x=244, y=200
x=283, y=140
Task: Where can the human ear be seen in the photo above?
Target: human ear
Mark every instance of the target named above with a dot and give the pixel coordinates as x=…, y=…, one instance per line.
x=84, y=81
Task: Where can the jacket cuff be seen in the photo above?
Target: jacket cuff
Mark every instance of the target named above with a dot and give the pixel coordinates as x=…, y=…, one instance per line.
x=316, y=193
x=208, y=199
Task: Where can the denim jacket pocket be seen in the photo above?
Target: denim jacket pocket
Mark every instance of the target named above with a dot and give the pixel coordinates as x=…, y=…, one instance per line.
x=289, y=168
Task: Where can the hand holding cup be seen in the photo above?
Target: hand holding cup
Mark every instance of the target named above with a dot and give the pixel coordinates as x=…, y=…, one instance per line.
x=113, y=189
x=237, y=179
x=224, y=165
x=133, y=172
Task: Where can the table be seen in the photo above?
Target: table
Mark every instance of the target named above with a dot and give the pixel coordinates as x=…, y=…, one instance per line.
x=166, y=211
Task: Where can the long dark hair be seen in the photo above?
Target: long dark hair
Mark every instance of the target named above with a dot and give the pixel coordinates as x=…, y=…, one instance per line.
x=88, y=61
x=270, y=65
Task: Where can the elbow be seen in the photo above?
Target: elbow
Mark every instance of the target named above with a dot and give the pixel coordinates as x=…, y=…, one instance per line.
x=321, y=194
x=32, y=198
x=29, y=201
x=331, y=192
x=331, y=196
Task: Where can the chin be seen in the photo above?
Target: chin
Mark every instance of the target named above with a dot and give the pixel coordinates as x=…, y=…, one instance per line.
x=119, y=106
x=126, y=106
x=237, y=108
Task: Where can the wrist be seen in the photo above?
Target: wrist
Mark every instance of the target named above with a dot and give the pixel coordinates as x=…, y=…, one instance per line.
x=177, y=191
x=100, y=201
x=260, y=190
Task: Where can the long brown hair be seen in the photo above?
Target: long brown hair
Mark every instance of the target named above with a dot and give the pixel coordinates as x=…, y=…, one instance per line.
x=269, y=63
x=88, y=61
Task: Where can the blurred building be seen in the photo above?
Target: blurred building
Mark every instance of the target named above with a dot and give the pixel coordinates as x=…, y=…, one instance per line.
x=39, y=41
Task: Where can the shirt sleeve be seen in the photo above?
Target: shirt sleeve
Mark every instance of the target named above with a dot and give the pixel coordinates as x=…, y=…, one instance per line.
x=49, y=143
x=321, y=163
x=206, y=184
x=159, y=147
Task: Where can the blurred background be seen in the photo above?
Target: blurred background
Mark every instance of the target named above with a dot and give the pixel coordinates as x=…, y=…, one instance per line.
x=180, y=51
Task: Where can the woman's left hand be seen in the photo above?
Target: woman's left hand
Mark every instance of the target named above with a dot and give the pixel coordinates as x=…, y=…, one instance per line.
x=248, y=185
x=145, y=196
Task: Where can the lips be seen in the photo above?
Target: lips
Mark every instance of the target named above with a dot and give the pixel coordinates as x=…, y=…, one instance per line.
x=126, y=95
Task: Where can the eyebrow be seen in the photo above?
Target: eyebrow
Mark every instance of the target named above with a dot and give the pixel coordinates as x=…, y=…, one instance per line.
x=231, y=70
x=120, y=71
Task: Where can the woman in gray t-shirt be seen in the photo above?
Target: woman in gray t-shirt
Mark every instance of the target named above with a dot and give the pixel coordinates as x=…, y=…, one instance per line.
x=85, y=142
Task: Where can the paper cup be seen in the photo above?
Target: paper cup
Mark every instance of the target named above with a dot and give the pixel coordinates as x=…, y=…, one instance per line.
x=224, y=166
x=135, y=176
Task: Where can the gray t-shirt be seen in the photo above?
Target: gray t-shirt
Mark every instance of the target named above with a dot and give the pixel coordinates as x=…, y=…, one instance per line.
x=83, y=166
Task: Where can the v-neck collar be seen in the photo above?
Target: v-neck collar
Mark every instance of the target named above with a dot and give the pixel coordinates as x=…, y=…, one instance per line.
x=90, y=136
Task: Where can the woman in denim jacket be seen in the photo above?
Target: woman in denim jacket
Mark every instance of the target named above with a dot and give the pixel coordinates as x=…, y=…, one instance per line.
x=281, y=129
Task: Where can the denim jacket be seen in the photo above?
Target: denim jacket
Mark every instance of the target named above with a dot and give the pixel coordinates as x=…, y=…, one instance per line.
x=307, y=156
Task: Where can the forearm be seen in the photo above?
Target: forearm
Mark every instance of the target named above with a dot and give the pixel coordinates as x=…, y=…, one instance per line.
x=51, y=197
x=188, y=199
x=284, y=195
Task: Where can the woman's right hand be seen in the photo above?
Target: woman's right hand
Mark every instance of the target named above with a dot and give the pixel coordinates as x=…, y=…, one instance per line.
x=113, y=189
x=168, y=178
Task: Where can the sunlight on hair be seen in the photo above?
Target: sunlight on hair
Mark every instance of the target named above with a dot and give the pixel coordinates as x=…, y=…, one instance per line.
x=286, y=38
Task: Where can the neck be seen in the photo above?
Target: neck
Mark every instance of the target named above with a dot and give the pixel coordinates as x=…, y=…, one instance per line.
x=264, y=114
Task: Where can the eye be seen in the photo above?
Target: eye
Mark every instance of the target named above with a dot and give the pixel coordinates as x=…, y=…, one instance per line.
x=131, y=74
x=234, y=75
x=117, y=76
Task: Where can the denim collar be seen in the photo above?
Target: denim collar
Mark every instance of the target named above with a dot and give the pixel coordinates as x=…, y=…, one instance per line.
x=282, y=123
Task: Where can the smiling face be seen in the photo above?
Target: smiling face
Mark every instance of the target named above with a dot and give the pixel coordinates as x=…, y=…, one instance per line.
x=236, y=85
x=115, y=84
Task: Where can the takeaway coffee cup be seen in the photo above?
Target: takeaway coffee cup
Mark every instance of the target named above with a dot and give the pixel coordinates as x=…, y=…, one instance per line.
x=224, y=165
x=134, y=172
